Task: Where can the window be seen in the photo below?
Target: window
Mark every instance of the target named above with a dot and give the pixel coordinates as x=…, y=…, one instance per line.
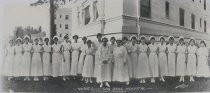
x=204, y=4
x=66, y=26
x=167, y=10
x=205, y=27
x=192, y=21
x=145, y=8
x=87, y=15
x=67, y=17
x=60, y=16
x=200, y=22
x=55, y=16
x=60, y=25
x=181, y=17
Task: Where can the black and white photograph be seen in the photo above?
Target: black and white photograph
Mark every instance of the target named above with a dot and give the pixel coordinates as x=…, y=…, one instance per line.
x=104, y=46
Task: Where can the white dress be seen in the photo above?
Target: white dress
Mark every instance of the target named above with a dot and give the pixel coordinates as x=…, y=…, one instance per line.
x=203, y=66
x=181, y=60
x=163, y=60
x=9, y=61
x=88, y=67
x=66, y=65
x=18, y=60
x=133, y=60
x=82, y=58
x=56, y=60
x=191, y=64
x=112, y=46
x=75, y=58
x=97, y=66
x=143, y=62
x=36, y=64
x=153, y=61
x=47, y=66
x=25, y=71
x=120, y=68
x=171, y=60
x=104, y=55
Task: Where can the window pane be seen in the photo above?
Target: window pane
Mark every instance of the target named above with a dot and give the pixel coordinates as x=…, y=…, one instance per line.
x=181, y=17
x=205, y=28
x=167, y=10
x=145, y=8
x=87, y=15
x=192, y=21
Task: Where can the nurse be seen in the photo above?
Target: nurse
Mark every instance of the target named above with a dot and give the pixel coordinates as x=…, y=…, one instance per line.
x=36, y=64
x=203, y=66
x=56, y=58
x=25, y=71
x=8, y=65
x=143, y=61
x=162, y=57
x=120, y=73
x=82, y=55
x=181, y=59
x=133, y=57
x=171, y=49
x=104, y=58
x=18, y=58
x=192, y=59
x=75, y=56
x=46, y=49
x=112, y=46
x=153, y=59
x=97, y=66
x=66, y=47
x=87, y=72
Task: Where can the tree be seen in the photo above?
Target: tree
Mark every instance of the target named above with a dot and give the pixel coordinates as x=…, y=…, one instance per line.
x=54, y=4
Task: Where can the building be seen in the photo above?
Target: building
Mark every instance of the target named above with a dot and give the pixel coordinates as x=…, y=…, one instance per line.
x=188, y=18
x=63, y=21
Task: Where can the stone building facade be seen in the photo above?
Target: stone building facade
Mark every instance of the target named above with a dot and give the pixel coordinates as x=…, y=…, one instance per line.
x=187, y=18
x=63, y=23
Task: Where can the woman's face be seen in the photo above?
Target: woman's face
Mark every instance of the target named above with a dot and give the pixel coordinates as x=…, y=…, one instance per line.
x=181, y=41
x=133, y=41
x=11, y=42
x=162, y=40
x=112, y=41
x=99, y=37
x=26, y=40
x=192, y=43
x=56, y=40
x=104, y=41
x=152, y=40
x=36, y=41
x=171, y=41
x=19, y=42
x=119, y=43
x=89, y=43
x=143, y=41
x=46, y=40
x=202, y=44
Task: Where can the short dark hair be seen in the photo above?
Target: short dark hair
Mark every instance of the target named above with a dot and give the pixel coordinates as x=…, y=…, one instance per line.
x=84, y=38
x=112, y=38
x=99, y=34
x=75, y=36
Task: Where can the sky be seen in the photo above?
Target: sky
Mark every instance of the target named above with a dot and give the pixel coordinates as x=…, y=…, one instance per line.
x=16, y=11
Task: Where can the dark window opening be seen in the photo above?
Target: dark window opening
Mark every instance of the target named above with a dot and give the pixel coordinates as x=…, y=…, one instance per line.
x=192, y=21
x=181, y=17
x=145, y=8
